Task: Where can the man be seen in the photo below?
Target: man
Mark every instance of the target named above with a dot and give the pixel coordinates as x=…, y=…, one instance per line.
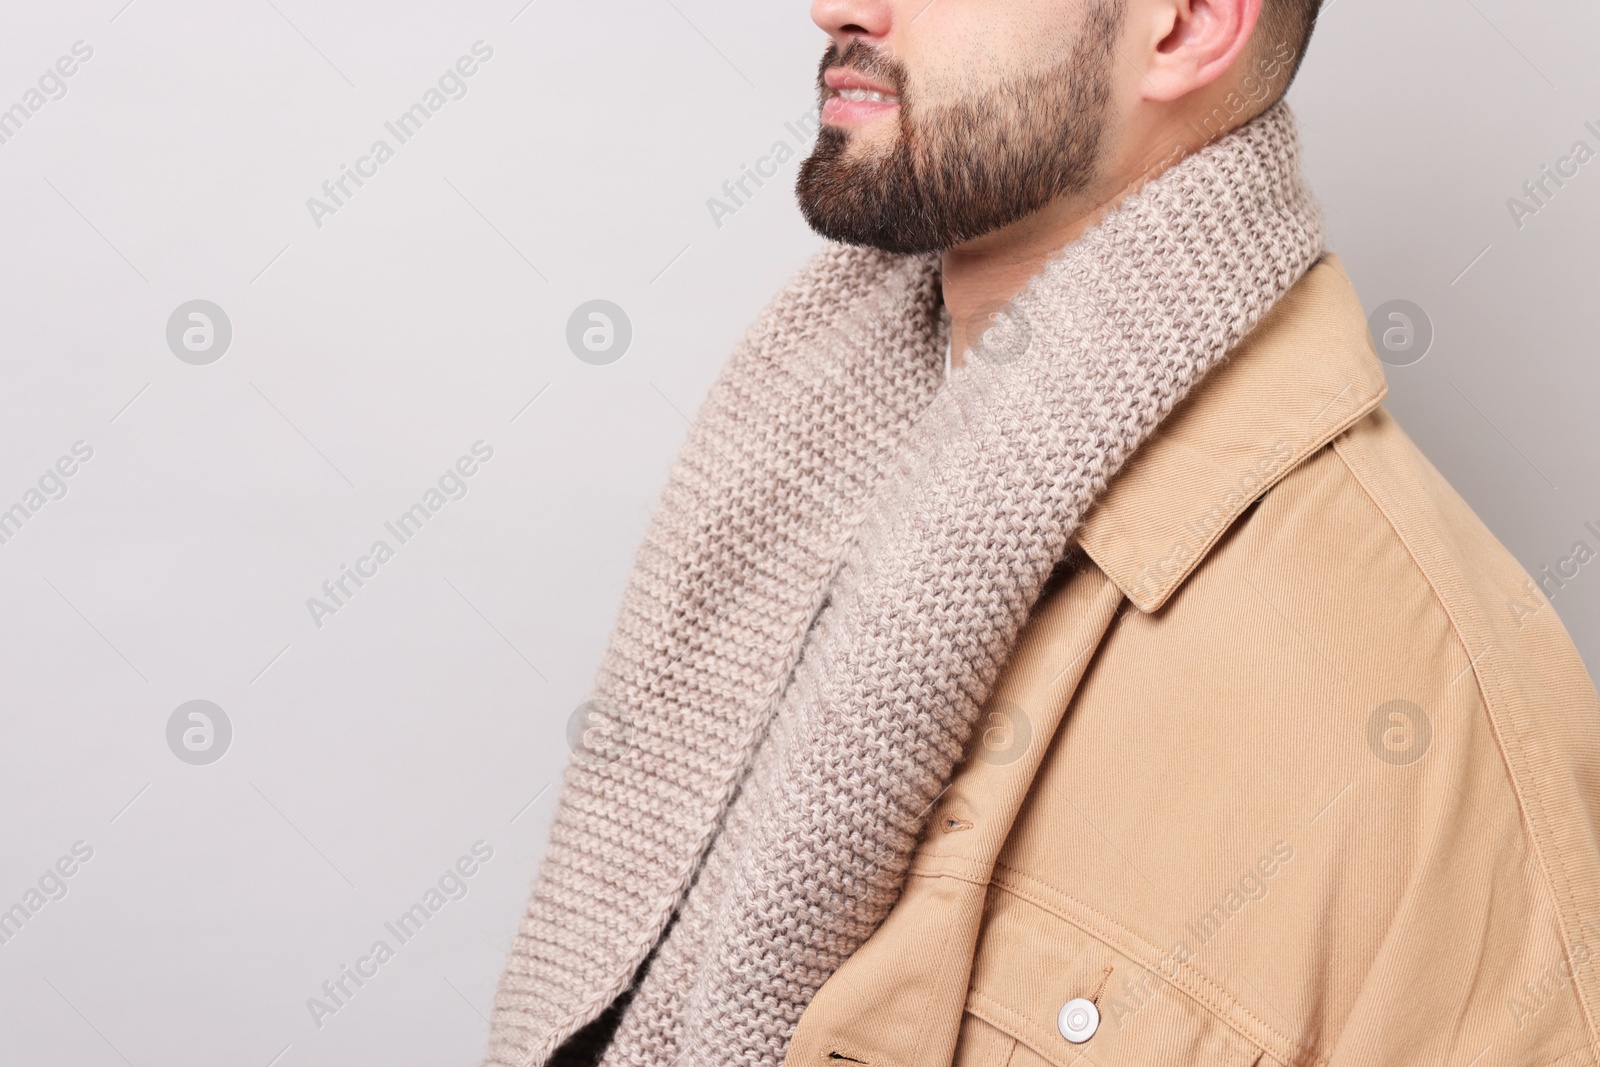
x=1137, y=695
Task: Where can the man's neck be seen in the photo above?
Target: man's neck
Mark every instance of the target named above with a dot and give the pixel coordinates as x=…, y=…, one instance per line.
x=981, y=276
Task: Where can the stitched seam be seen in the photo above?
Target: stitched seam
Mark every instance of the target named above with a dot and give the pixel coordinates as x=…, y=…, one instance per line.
x=1164, y=592
x=1206, y=986
x=959, y=876
x=1017, y=1026
x=1550, y=862
x=928, y=1031
x=1575, y=1057
x=1187, y=978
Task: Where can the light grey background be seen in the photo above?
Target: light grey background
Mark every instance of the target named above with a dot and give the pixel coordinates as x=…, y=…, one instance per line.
x=368, y=354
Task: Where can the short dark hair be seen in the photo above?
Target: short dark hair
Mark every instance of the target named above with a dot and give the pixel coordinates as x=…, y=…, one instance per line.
x=1287, y=22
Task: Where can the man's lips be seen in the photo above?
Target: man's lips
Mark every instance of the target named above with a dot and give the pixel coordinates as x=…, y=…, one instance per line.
x=854, y=99
x=841, y=78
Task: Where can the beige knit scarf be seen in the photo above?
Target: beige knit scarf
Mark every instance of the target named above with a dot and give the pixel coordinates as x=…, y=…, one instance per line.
x=840, y=563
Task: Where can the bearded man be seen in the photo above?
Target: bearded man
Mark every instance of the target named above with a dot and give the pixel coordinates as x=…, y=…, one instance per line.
x=1047, y=649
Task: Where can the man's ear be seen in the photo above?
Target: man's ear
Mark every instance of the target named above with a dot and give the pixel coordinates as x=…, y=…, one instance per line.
x=1194, y=42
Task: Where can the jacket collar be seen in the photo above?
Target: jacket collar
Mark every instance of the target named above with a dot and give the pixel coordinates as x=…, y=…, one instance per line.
x=1304, y=375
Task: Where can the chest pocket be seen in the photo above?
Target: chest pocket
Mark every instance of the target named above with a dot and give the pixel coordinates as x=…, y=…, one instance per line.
x=1030, y=964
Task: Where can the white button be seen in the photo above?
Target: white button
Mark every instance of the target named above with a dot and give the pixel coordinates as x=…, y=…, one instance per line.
x=1078, y=1021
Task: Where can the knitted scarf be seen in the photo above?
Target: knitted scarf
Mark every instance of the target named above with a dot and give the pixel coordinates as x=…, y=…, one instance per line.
x=841, y=561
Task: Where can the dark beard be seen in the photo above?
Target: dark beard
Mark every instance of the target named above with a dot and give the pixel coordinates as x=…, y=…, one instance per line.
x=970, y=169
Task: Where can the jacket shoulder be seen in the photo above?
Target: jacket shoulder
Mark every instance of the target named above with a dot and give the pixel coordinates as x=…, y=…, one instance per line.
x=1535, y=728
x=1492, y=602
x=1443, y=753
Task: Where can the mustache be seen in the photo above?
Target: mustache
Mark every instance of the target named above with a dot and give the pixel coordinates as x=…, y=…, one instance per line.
x=866, y=60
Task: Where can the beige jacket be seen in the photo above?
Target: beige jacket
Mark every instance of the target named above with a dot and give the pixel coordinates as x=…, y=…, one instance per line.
x=1293, y=764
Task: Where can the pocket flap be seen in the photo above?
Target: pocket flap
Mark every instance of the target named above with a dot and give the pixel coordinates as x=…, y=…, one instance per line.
x=1030, y=963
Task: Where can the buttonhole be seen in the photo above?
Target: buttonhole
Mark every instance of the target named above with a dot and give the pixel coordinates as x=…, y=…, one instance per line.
x=1101, y=988
x=846, y=1059
x=950, y=824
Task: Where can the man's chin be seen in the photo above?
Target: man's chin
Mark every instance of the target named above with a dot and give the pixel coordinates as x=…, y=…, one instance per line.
x=854, y=230
x=855, y=192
